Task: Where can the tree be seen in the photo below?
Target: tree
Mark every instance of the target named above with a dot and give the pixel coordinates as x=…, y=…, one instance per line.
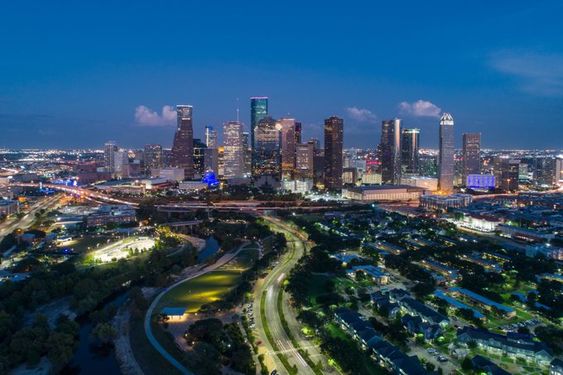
x=466, y=364
x=61, y=348
x=104, y=333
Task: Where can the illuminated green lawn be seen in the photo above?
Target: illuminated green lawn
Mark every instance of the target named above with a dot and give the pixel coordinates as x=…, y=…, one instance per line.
x=209, y=287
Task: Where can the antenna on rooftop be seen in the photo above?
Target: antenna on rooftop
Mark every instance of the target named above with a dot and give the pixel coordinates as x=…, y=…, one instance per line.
x=238, y=111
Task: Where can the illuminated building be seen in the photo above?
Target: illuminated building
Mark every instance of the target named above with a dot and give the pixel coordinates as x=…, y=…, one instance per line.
x=110, y=148
x=334, y=138
x=390, y=151
x=304, y=160
x=182, y=147
x=446, y=155
x=258, y=111
x=266, y=153
x=471, y=154
x=233, y=154
x=410, y=141
x=287, y=129
x=153, y=158
x=480, y=181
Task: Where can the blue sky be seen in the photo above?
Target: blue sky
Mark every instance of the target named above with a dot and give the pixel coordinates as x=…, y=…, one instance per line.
x=76, y=73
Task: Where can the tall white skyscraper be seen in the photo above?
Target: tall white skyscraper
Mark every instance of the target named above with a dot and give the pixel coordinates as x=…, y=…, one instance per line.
x=233, y=154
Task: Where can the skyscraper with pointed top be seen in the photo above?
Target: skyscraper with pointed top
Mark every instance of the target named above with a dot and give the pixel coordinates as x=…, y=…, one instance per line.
x=446, y=156
x=183, y=146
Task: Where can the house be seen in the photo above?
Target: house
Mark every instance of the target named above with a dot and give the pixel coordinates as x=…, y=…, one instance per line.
x=373, y=272
x=484, y=365
x=395, y=360
x=174, y=313
x=514, y=345
x=414, y=325
x=556, y=367
x=485, y=302
x=356, y=326
x=416, y=308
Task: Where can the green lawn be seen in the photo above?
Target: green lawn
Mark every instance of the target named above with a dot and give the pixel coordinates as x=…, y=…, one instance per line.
x=209, y=287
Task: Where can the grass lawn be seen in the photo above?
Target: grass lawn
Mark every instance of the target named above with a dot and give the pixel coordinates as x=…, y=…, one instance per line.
x=146, y=356
x=209, y=287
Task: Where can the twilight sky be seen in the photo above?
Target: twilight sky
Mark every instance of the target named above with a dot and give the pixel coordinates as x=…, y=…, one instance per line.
x=78, y=73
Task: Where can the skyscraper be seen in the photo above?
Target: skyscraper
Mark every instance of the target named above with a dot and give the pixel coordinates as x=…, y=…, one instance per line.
x=390, y=151
x=199, y=157
x=110, y=148
x=287, y=146
x=152, y=158
x=258, y=110
x=298, y=132
x=471, y=154
x=233, y=154
x=266, y=153
x=247, y=152
x=304, y=160
x=334, y=139
x=410, y=141
x=210, y=137
x=182, y=147
x=446, y=155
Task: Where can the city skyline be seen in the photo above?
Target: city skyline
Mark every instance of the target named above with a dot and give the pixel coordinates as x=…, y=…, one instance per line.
x=498, y=75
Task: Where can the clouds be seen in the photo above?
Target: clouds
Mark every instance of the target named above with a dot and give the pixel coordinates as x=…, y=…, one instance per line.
x=144, y=116
x=361, y=114
x=420, y=108
x=537, y=74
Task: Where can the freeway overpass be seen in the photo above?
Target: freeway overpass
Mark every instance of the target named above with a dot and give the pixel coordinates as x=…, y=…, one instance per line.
x=78, y=191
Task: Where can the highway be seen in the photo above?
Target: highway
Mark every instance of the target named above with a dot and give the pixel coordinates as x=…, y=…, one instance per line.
x=266, y=302
x=26, y=221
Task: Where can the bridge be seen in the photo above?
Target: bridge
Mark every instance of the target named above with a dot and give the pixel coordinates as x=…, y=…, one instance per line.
x=78, y=191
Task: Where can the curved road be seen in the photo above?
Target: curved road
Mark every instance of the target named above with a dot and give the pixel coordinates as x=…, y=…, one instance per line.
x=279, y=343
x=148, y=316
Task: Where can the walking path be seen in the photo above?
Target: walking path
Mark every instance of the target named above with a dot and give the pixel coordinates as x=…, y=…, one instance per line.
x=148, y=316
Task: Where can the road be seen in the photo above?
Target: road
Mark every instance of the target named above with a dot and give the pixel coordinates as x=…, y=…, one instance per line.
x=150, y=311
x=266, y=302
x=26, y=221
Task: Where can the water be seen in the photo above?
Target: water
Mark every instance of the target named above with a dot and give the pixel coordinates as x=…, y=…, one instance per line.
x=91, y=360
x=210, y=249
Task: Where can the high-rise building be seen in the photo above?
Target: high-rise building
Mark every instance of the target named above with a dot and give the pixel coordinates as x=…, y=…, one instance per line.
x=287, y=147
x=258, y=111
x=211, y=160
x=507, y=172
x=298, y=132
x=210, y=137
x=199, y=157
x=446, y=155
x=152, y=158
x=121, y=164
x=247, y=153
x=390, y=151
x=233, y=157
x=304, y=160
x=182, y=147
x=471, y=154
x=266, y=154
x=334, y=139
x=110, y=149
x=410, y=142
